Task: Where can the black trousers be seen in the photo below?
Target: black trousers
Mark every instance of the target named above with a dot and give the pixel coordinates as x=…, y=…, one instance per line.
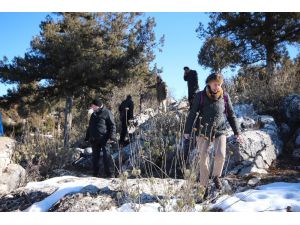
x=103, y=167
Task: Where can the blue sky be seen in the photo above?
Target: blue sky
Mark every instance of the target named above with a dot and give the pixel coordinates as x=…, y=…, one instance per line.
x=180, y=49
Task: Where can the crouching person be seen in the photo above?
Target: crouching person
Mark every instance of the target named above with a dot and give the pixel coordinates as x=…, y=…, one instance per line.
x=101, y=130
x=212, y=106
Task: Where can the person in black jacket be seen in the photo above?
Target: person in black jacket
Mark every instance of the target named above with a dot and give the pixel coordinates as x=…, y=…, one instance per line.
x=101, y=130
x=126, y=114
x=191, y=77
x=161, y=93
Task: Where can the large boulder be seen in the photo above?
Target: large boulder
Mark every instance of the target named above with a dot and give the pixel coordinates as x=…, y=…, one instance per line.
x=12, y=177
x=290, y=109
x=6, y=151
x=246, y=116
x=258, y=149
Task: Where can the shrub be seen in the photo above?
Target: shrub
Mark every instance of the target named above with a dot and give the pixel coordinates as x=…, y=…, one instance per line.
x=253, y=85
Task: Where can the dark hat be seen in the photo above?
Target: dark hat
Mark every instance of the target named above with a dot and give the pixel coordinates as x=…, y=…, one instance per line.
x=97, y=102
x=215, y=77
x=186, y=68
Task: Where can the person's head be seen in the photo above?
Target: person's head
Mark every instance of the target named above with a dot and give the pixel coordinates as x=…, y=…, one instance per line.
x=215, y=81
x=96, y=104
x=186, y=69
x=129, y=97
x=158, y=79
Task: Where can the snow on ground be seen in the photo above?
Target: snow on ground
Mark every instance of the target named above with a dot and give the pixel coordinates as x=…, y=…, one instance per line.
x=153, y=207
x=148, y=207
x=65, y=185
x=271, y=197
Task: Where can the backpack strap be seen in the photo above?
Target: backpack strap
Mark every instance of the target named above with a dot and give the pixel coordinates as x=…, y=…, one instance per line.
x=225, y=96
x=201, y=100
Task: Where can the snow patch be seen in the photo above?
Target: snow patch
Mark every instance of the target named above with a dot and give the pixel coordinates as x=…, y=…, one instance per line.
x=271, y=197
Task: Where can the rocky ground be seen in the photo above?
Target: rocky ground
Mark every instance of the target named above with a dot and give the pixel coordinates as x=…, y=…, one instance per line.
x=261, y=159
x=120, y=194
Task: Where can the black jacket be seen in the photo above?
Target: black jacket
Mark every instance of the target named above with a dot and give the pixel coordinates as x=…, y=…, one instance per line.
x=161, y=90
x=211, y=113
x=101, y=126
x=192, y=82
x=128, y=103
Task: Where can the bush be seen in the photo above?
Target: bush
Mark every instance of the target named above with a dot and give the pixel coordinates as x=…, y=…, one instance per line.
x=253, y=85
x=40, y=155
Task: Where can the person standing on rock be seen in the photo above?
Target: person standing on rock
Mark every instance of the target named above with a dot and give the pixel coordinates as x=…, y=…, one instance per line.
x=161, y=93
x=126, y=114
x=101, y=130
x=207, y=118
x=191, y=77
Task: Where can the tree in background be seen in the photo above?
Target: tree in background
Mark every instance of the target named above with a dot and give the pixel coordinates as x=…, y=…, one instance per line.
x=260, y=36
x=76, y=53
x=218, y=53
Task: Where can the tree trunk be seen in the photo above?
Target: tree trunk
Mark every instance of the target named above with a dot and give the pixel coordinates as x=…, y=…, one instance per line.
x=270, y=60
x=68, y=120
x=270, y=45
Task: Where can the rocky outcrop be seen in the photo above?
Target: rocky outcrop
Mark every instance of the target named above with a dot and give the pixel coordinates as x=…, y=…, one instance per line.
x=290, y=109
x=89, y=194
x=296, y=151
x=161, y=132
x=12, y=175
x=290, y=128
x=6, y=151
x=259, y=148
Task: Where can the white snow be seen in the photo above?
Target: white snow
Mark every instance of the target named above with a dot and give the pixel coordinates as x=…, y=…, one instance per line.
x=271, y=197
x=148, y=207
x=65, y=185
x=153, y=207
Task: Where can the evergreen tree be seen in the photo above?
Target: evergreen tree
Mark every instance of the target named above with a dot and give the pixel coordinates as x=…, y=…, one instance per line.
x=259, y=36
x=218, y=53
x=76, y=52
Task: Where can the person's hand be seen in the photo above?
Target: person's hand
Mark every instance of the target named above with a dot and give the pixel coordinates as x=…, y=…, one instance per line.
x=111, y=141
x=239, y=138
x=186, y=136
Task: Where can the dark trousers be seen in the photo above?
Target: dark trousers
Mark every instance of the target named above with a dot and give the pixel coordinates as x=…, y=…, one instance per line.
x=103, y=167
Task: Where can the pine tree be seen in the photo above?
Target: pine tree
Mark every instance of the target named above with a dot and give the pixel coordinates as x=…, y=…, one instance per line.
x=75, y=52
x=259, y=36
x=218, y=53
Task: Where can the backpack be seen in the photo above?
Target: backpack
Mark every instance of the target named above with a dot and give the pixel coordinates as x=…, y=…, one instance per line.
x=225, y=96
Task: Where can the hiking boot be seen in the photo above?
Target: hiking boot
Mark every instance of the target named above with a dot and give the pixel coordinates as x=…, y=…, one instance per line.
x=205, y=196
x=202, y=199
x=218, y=183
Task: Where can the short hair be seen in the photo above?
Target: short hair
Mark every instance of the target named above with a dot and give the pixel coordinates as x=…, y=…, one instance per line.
x=97, y=102
x=129, y=97
x=186, y=68
x=215, y=77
